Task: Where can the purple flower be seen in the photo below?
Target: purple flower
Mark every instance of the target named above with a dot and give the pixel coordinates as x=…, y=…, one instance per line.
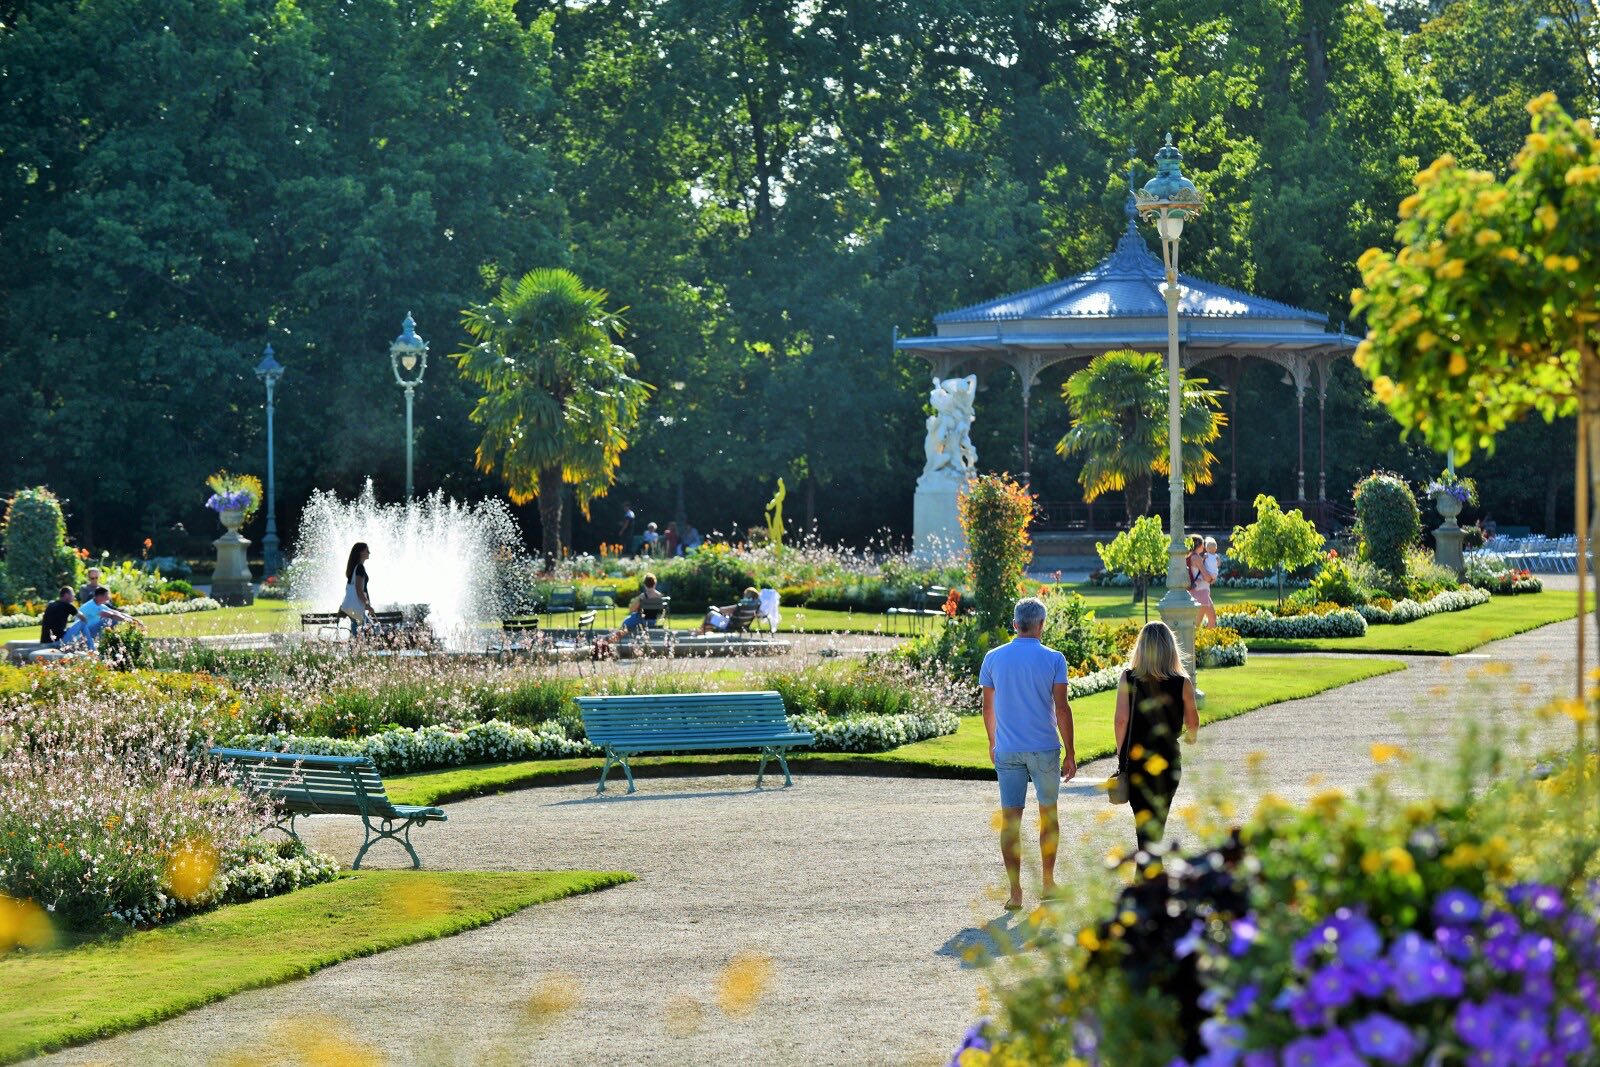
x=1260, y=1058
x=1539, y=989
x=1527, y=1038
x=1456, y=907
x=1190, y=942
x=1572, y=1032
x=1243, y=1000
x=1421, y=971
x=1453, y=942
x=1349, y=933
x=1384, y=1039
x=1538, y=953
x=976, y=1037
x=1242, y=934
x=1220, y=1035
x=1589, y=992
x=1331, y=988
x=1543, y=900
x=1477, y=1024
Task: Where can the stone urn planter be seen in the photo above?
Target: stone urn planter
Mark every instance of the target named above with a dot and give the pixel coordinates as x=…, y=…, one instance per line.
x=1447, y=538
x=232, y=584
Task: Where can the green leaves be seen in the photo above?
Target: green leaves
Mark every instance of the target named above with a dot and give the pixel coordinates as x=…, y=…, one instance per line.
x=1277, y=541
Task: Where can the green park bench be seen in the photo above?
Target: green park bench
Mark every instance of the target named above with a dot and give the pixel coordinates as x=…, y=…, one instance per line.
x=302, y=784
x=624, y=726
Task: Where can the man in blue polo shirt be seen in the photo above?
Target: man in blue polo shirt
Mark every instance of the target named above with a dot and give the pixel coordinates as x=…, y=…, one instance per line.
x=1024, y=704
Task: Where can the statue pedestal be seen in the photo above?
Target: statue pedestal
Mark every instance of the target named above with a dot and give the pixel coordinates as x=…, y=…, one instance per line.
x=232, y=584
x=1447, y=538
x=936, y=521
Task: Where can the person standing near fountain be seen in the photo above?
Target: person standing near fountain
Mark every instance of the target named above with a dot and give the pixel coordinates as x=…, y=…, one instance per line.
x=357, y=603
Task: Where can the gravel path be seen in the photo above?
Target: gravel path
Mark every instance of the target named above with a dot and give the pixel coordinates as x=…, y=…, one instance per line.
x=862, y=891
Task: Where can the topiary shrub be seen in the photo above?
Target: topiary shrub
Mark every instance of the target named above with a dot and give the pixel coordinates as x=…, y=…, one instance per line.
x=1387, y=520
x=995, y=513
x=35, y=534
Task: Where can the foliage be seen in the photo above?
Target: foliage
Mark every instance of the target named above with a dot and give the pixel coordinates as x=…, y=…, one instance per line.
x=1486, y=312
x=1218, y=646
x=1140, y=553
x=235, y=492
x=1070, y=628
x=713, y=575
x=1366, y=929
x=1119, y=408
x=956, y=648
x=1489, y=572
x=559, y=399
x=1387, y=520
x=1277, y=540
x=1335, y=583
x=35, y=537
x=97, y=810
x=995, y=513
x=1334, y=622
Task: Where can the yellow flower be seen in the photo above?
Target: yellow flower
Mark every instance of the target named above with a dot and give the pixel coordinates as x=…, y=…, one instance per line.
x=1458, y=364
x=1400, y=861
x=1089, y=939
x=1457, y=222
x=1572, y=263
x=1327, y=802
x=1357, y=295
x=1583, y=175
x=1382, y=753
x=1452, y=269
x=1510, y=255
x=1486, y=201
x=1370, y=258
x=1363, y=354
x=1554, y=262
x=1426, y=340
x=742, y=982
x=1543, y=102
x=1487, y=237
x=1548, y=216
x=1537, y=142
x=1383, y=387
x=1156, y=764
x=1408, y=206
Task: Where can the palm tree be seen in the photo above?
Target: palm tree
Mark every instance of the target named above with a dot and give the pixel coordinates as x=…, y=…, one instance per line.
x=1119, y=425
x=559, y=398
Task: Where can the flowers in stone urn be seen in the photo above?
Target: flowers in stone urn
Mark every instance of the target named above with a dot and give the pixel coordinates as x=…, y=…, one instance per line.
x=1463, y=490
x=234, y=495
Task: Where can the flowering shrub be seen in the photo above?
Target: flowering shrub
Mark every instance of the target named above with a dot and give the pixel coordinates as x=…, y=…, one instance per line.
x=103, y=790
x=172, y=607
x=995, y=514
x=1353, y=931
x=1217, y=647
x=1464, y=490
x=400, y=750
x=1339, y=622
x=1488, y=571
x=1403, y=611
x=234, y=492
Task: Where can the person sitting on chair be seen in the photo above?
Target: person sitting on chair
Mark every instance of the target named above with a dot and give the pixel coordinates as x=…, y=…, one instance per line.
x=717, y=619
x=94, y=617
x=643, y=611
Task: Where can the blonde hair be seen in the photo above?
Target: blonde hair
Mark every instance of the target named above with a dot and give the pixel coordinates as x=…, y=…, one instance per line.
x=1155, y=654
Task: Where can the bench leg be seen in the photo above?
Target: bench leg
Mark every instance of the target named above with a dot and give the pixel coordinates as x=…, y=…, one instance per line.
x=373, y=834
x=613, y=759
x=771, y=753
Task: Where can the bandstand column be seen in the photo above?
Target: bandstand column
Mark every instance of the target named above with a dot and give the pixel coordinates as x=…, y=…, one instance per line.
x=1300, y=412
x=1322, y=430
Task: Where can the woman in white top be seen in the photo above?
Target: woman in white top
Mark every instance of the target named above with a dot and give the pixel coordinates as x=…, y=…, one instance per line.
x=357, y=605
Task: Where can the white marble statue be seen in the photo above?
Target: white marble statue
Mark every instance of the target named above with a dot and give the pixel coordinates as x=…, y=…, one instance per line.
x=948, y=449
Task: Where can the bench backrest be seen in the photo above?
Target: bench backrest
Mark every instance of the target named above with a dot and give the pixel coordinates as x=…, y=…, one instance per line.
x=519, y=625
x=389, y=618
x=319, y=618
x=325, y=783
x=563, y=599
x=679, y=715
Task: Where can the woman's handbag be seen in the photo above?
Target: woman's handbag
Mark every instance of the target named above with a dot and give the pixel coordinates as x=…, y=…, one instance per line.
x=1117, y=784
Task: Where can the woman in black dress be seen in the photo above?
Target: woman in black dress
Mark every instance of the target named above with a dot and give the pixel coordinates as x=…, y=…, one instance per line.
x=1155, y=708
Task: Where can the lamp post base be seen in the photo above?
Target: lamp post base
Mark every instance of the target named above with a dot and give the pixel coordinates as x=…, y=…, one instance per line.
x=1181, y=613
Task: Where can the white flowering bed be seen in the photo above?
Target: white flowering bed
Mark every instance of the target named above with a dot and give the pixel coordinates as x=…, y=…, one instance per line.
x=1218, y=656
x=873, y=733
x=1408, y=610
x=1346, y=622
x=1098, y=682
x=400, y=751
x=1259, y=583
x=176, y=607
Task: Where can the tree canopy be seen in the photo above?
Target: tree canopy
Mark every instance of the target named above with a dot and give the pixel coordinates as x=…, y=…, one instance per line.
x=770, y=187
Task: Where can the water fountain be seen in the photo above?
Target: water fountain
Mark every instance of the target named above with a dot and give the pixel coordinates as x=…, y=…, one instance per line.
x=465, y=562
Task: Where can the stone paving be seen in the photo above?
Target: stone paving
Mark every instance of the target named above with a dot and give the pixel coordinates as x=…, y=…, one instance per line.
x=861, y=890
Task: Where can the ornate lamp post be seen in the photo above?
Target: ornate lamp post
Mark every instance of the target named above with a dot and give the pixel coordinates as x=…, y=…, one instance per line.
x=409, y=356
x=1168, y=200
x=269, y=370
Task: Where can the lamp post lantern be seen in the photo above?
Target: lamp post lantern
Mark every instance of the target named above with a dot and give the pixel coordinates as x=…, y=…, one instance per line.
x=1168, y=200
x=409, y=357
x=269, y=370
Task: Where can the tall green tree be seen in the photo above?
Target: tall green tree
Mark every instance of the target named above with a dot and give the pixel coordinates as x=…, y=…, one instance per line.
x=1119, y=426
x=559, y=397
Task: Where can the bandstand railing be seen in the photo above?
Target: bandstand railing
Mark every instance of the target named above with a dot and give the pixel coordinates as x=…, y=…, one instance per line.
x=1199, y=516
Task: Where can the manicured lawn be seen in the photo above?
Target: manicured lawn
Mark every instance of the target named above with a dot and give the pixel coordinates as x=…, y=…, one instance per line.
x=1116, y=605
x=1447, y=633
x=66, y=996
x=965, y=753
x=264, y=616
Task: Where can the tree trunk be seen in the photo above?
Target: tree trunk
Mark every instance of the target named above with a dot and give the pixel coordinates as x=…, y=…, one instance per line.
x=550, y=490
x=1136, y=496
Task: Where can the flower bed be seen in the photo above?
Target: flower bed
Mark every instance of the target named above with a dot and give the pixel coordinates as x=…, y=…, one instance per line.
x=1340, y=622
x=1217, y=646
x=109, y=814
x=1485, y=570
x=1403, y=611
x=402, y=751
x=174, y=607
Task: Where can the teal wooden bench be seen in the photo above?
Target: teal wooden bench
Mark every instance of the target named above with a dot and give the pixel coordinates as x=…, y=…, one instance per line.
x=626, y=726
x=328, y=785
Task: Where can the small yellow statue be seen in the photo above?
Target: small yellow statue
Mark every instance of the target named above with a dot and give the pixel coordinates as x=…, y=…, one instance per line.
x=775, y=517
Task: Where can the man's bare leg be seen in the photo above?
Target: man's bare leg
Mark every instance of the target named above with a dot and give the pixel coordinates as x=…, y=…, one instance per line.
x=1011, y=852
x=1049, y=836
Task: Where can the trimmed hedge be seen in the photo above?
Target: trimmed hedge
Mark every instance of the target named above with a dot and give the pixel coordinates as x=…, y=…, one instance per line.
x=1345, y=622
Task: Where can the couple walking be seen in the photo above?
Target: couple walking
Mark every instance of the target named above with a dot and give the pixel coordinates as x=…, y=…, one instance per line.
x=1029, y=721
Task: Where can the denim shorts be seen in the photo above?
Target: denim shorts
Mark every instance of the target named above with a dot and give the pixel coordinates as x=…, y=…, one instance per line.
x=1015, y=768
